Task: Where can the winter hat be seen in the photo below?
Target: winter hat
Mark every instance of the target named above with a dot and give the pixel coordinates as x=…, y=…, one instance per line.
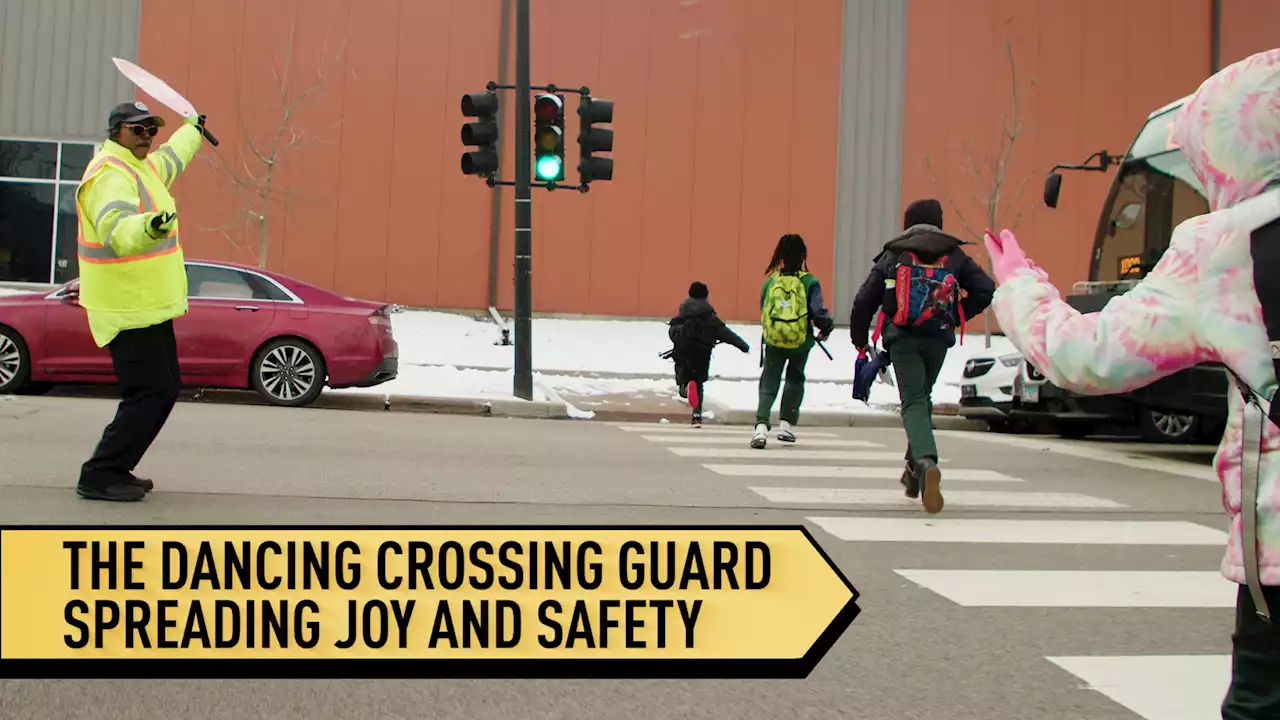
x=923, y=212
x=698, y=291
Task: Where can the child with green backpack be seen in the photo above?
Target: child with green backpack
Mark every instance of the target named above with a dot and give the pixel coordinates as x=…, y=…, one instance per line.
x=791, y=307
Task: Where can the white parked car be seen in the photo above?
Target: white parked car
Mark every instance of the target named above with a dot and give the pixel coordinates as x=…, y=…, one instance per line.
x=986, y=389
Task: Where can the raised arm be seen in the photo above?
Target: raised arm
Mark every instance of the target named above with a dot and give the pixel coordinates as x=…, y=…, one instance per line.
x=171, y=158
x=1139, y=337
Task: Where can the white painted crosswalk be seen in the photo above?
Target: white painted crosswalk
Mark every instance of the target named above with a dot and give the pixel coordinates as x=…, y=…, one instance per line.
x=867, y=506
x=954, y=498
x=1079, y=588
x=851, y=472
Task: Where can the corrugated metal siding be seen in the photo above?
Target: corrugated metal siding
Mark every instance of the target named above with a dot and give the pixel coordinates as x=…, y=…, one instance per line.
x=57, y=80
x=870, y=148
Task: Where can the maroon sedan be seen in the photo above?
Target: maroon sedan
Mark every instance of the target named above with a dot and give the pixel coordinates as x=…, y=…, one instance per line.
x=246, y=329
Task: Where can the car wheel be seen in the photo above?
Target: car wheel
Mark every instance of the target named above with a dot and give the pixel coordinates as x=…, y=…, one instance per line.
x=15, y=361
x=288, y=372
x=1161, y=427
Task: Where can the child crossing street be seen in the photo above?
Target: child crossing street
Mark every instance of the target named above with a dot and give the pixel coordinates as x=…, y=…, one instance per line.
x=916, y=283
x=694, y=332
x=791, y=307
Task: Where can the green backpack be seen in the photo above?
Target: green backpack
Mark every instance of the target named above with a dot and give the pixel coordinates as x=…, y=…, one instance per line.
x=785, y=314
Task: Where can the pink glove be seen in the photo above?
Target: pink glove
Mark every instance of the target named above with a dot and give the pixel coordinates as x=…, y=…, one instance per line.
x=1006, y=255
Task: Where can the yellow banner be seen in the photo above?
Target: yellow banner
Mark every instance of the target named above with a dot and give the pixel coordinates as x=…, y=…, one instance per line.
x=417, y=594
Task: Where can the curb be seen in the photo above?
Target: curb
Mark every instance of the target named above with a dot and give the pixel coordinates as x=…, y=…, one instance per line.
x=525, y=409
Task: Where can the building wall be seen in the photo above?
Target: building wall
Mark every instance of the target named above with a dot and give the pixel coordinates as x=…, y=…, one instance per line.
x=57, y=80
x=736, y=121
x=868, y=194
x=57, y=87
x=1099, y=69
x=725, y=119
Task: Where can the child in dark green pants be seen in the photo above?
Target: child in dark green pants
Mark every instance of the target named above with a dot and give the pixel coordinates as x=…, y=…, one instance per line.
x=916, y=283
x=791, y=307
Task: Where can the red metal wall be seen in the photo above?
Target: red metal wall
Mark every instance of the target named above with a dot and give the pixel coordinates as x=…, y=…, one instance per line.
x=1099, y=68
x=380, y=209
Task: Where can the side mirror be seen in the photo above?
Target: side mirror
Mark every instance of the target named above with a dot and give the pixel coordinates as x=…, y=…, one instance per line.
x=71, y=295
x=1052, y=187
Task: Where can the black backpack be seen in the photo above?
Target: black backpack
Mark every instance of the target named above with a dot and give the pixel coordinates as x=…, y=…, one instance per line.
x=1264, y=246
x=693, y=332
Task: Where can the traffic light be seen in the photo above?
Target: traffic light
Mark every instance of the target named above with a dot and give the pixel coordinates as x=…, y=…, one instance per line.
x=548, y=138
x=483, y=134
x=592, y=139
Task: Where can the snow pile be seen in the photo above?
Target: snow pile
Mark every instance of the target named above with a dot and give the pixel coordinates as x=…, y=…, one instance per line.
x=452, y=355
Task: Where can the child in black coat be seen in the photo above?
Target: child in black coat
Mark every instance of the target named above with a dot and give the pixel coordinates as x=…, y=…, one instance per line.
x=694, y=332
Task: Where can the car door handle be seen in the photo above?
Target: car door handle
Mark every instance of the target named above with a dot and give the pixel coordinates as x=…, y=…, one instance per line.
x=250, y=308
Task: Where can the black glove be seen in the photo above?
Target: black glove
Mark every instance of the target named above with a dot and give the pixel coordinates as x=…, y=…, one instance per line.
x=162, y=223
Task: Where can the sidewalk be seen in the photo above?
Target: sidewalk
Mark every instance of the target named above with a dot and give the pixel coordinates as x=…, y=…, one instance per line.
x=606, y=370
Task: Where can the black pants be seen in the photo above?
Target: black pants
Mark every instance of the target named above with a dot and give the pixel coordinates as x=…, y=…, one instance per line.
x=146, y=366
x=1255, y=660
x=693, y=364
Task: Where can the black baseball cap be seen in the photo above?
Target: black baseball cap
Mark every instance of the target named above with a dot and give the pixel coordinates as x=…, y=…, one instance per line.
x=132, y=112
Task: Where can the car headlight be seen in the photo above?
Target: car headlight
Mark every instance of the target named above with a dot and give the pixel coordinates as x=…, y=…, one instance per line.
x=1010, y=360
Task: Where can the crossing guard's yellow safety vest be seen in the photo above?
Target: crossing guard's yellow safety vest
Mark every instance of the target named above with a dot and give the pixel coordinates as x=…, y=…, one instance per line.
x=129, y=278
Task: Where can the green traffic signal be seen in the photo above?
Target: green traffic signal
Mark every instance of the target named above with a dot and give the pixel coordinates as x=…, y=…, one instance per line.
x=548, y=167
x=548, y=138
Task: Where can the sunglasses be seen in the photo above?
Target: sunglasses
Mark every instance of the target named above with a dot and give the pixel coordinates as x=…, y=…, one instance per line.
x=139, y=129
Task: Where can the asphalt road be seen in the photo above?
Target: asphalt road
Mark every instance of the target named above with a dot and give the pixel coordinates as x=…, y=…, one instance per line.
x=926, y=645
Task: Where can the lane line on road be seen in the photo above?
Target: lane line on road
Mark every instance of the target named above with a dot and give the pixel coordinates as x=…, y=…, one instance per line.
x=1079, y=588
x=869, y=472
x=789, y=454
x=744, y=440
x=1157, y=687
x=1020, y=532
x=1088, y=452
x=710, y=430
x=954, y=498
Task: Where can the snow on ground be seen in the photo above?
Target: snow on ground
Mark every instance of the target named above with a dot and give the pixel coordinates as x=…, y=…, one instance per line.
x=453, y=355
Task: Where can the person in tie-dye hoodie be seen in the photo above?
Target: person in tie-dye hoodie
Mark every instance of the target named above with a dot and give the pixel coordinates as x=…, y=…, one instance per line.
x=1198, y=305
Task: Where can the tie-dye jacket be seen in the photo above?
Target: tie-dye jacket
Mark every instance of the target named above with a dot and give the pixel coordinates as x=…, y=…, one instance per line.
x=1198, y=305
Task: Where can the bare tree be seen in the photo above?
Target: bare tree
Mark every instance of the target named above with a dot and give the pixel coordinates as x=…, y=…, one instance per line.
x=990, y=171
x=254, y=177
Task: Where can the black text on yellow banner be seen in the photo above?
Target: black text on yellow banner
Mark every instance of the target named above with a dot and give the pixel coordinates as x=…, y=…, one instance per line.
x=418, y=602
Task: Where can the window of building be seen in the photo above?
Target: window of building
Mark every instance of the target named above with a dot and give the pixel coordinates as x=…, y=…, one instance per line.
x=38, y=180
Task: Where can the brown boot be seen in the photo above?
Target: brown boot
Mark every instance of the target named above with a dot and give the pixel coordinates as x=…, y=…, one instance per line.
x=910, y=482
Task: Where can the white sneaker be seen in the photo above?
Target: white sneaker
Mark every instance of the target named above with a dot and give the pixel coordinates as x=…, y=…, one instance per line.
x=761, y=437
x=784, y=432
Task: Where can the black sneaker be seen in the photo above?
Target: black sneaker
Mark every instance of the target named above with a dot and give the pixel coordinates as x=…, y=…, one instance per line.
x=144, y=483
x=119, y=492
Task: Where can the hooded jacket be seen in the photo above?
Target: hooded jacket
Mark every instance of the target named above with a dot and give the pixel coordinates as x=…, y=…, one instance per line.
x=1198, y=304
x=700, y=308
x=928, y=243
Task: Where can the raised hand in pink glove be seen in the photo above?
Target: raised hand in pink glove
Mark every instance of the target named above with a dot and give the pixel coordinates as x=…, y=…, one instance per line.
x=1006, y=255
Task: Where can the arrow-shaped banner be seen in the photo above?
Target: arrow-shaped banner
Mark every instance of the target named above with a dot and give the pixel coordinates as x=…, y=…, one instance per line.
x=414, y=602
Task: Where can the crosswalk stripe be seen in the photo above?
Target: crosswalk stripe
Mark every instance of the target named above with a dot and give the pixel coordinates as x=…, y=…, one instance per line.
x=1079, y=588
x=787, y=454
x=1157, y=687
x=686, y=429
x=739, y=439
x=954, y=498
x=1025, y=532
x=852, y=472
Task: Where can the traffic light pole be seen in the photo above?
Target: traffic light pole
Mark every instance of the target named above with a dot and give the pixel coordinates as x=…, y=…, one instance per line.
x=523, y=211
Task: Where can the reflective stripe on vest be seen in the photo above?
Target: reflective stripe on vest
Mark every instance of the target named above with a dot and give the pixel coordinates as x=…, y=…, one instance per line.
x=97, y=252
